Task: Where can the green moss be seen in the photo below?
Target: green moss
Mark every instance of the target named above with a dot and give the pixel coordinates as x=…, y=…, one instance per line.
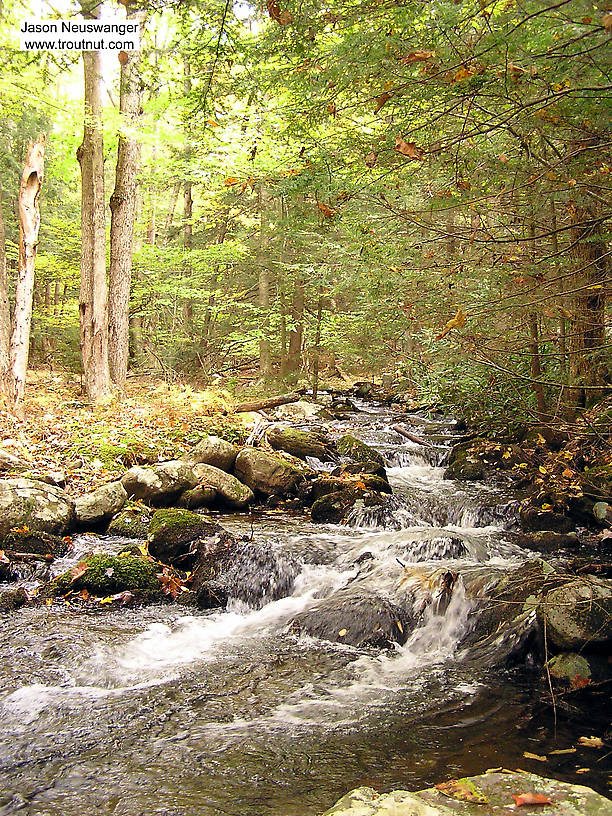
x=108, y=574
x=349, y=445
x=175, y=525
x=131, y=523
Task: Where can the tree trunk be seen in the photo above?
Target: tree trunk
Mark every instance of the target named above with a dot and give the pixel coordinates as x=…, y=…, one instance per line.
x=315, y=364
x=29, y=224
x=123, y=215
x=296, y=335
x=93, y=294
x=5, y=312
x=536, y=367
x=265, y=365
x=170, y=213
x=587, y=366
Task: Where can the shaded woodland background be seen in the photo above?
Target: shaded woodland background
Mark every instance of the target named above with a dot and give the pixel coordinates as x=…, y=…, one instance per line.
x=415, y=189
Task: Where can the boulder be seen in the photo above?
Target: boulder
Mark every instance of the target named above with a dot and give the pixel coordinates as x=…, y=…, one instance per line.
x=301, y=443
x=199, y=496
x=360, y=467
x=101, y=504
x=464, y=464
x=334, y=508
x=12, y=599
x=24, y=540
x=324, y=485
x=174, y=535
x=578, y=614
x=536, y=520
x=9, y=461
x=248, y=571
x=568, y=668
x=158, y=484
x=36, y=505
x=132, y=522
x=491, y=794
x=228, y=488
x=356, y=617
x=547, y=541
x=354, y=448
x=109, y=574
x=266, y=473
x=301, y=411
x=212, y=450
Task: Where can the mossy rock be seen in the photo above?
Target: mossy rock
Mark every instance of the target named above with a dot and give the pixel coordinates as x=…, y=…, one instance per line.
x=325, y=485
x=132, y=522
x=129, y=453
x=109, y=574
x=597, y=482
x=349, y=445
x=172, y=533
x=12, y=599
x=21, y=539
x=301, y=443
x=334, y=508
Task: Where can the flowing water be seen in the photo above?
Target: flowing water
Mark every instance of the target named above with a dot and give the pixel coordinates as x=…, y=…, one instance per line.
x=163, y=710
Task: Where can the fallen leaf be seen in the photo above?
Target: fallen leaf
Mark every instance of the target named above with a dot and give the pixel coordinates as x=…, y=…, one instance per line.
x=531, y=799
x=331, y=108
x=80, y=569
x=591, y=742
x=371, y=159
x=342, y=633
x=456, y=322
x=582, y=770
x=408, y=149
x=327, y=211
x=606, y=22
x=107, y=600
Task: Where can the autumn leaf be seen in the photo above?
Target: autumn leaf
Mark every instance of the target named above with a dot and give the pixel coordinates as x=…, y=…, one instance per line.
x=591, y=742
x=122, y=57
x=418, y=56
x=231, y=180
x=331, y=108
x=80, y=569
x=408, y=149
x=279, y=15
x=606, y=22
x=456, y=322
x=371, y=159
x=382, y=100
x=531, y=799
x=212, y=123
x=327, y=211
x=462, y=789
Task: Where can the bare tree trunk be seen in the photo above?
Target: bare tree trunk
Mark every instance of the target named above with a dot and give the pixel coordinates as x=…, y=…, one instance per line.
x=296, y=335
x=123, y=215
x=5, y=312
x=317, y=350
x=29, y=224
x=187, y=202
x=265, y=366
x=93, y=295
x=536, y=368
x=170, y=213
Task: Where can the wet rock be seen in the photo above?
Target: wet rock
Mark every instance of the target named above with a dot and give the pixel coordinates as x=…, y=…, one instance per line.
x=495, y=791
x=12, y=599
x=535, y=520
x=174, y=535
x=568, y=668
x=356, y=617
x=266, y=473
x=349, y=445
x=301, y=411
x=109, y=574
x=578, y=614
x=158, y=484
x=248, y=571
x=24, y=540
x=360, y=467
x=200, y=496
x=334, y=508
x=342, y=407
x=132, y=522
x=301, y=443
x=464, y=464
x=229, y=489
x=547, y=541
x=39, y=506
x=101, y=504
x=212, y=450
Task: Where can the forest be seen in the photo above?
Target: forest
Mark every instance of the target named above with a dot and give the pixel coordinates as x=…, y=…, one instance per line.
x=305, y=406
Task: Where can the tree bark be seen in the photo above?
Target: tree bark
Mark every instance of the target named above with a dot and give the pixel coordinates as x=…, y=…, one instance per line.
x=29, y=224
x=317, y=350
x=5, y=312
x=123, y=214
x=263, y=296
x=170, y=214
x=93, y=294
x=262, y=404
x=296, y=335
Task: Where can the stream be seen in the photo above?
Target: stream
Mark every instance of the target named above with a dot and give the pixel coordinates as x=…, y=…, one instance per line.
x=163, y=710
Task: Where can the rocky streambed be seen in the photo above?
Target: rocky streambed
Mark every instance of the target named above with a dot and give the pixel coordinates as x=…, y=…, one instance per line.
x=260, y=629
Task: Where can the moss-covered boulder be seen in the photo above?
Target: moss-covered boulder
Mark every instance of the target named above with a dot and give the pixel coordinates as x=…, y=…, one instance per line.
x=266, y=473
x=174, y=535
x=24, y=540
x=100, y=505
x=354, y=448
x=547, y=541
x=110, y=574
x=212, y=450
x=301, y=443
x=464, y=464
x=132, y=522
x=578, y=614
x=230, y=491
x=534, y=519
x=324, y=485
x=353, y=468
x=568, y=669
x=12, y=599
x=335, y=507
x=38, y=506
x=491, y=794
x=199, y=496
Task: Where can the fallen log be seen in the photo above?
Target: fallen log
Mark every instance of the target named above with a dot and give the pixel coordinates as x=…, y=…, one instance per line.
x=407, y=435
x=262, y=404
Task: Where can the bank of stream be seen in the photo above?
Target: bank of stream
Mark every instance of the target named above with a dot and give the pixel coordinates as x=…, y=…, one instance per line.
x=166, y=710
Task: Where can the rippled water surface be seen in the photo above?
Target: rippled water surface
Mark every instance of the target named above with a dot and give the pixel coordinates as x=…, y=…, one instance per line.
x=165, y=711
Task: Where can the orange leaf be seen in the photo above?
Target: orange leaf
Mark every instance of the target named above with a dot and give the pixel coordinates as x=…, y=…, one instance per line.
x=80, y=569
x=531, y=799
x=382, y=100
x=122, y=57
x=229, y=182
x=408, y=149
x=277, y=14
x=418, y=56
x=331, y=108
x=325, y=209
